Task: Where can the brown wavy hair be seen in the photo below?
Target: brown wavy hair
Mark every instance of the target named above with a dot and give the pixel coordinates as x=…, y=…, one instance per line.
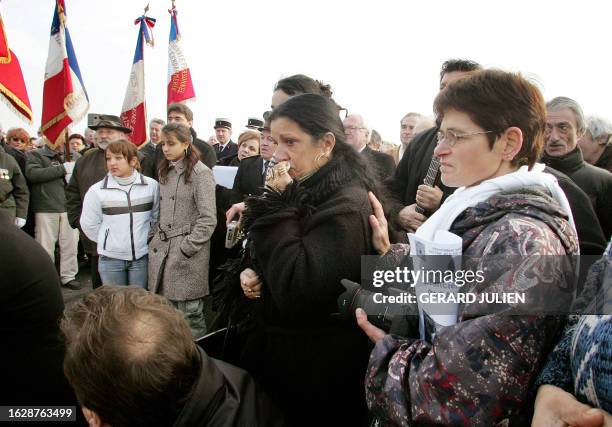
x=125, y=148
x=192, y=156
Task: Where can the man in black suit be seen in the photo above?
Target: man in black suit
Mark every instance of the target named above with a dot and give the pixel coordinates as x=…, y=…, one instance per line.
x=251, y=174
x=225, y=148
x=148, y=150
x=406, y=185
x=357, y=134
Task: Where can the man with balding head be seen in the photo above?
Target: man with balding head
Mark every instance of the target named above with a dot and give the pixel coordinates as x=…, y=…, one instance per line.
x=357, y=136
x=132, y=362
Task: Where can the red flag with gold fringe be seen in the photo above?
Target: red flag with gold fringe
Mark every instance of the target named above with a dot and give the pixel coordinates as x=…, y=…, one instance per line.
x=12, y=85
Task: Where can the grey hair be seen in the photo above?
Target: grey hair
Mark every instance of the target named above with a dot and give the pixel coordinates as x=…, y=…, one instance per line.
x=561, y=102
x=599, y=128
x=158, y=121
x=361, y=119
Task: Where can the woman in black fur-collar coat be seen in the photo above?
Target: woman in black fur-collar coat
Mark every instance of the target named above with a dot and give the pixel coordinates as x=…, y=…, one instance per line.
x=307, y=232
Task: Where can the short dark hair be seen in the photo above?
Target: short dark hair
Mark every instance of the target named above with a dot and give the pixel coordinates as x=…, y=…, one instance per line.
x=77, y=136
x=496, y=100
x=130, y=356
x=452, y=65
x=177, y=107
x=300, y=83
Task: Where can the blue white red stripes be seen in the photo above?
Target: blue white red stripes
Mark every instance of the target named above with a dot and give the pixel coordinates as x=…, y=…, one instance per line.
x=134, y=112
x=65, y=99
x=180, y=86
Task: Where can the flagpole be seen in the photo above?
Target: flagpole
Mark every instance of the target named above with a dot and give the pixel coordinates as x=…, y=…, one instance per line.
x=67, y=157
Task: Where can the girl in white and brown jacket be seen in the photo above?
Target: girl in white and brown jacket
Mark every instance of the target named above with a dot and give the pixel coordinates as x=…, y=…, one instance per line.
x=118, y=212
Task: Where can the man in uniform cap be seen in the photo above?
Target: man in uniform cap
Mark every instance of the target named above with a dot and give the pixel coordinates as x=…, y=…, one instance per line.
x=254, y=123
x=226, y=149
x=88, y=170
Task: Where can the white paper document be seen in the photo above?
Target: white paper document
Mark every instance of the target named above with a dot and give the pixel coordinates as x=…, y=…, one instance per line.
x=434, y=312
x=224, y=175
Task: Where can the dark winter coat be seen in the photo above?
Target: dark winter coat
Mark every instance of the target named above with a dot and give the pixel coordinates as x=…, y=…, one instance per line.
x=605, y=160
x=225, y=156
x=304, y=240
x=250, y=177
x=226, y=396
x=595, y=182
x=479, y=371
x=14, y=194
x=88, y=170
x=31, y=308
x=20, y=156
x=148, y=166
x=590, y=234
x=179, y=251
x=383, y=164
x=46, y=173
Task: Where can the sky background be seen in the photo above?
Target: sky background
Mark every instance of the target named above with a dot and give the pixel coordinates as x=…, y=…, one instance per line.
x=382, y=58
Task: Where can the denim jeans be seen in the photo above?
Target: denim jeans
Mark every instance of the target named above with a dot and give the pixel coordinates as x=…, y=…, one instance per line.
x=120, y=272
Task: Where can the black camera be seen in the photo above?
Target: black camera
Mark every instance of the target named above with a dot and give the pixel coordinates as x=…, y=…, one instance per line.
x=389, y=311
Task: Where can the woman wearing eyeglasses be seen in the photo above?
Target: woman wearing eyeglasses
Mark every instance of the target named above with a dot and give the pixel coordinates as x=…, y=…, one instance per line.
x=516, y=227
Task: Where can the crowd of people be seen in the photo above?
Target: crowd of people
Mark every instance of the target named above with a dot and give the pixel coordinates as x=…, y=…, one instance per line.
x=187, y=326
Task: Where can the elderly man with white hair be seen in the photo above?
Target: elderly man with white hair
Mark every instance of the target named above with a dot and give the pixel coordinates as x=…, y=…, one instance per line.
x=357, y=135
x=596, y=143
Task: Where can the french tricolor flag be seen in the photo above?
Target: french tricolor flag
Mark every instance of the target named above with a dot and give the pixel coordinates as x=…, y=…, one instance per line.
x=180, y=87
x=64, y=97
x=134, y=111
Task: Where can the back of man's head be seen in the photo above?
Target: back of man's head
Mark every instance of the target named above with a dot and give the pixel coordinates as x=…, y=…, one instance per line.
x=463, y=65
x=130, y=356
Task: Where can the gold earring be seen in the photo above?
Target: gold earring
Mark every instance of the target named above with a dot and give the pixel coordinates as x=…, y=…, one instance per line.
x=318, y=159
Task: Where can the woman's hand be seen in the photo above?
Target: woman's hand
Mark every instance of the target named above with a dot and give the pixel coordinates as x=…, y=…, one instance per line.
x=380, y=229
x=250, y=283
x=236, y=209
x=554, y=407
x=279, y=177
x=374, y=333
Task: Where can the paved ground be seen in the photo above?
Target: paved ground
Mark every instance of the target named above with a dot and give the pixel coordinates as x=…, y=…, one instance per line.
x=85, y=278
